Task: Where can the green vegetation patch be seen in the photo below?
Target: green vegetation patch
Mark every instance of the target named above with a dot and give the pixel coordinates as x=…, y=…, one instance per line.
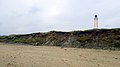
x=29, y=40
x=2, y=38
x=22, y=40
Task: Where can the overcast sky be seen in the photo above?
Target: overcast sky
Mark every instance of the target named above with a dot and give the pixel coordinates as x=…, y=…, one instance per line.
x=27, y=16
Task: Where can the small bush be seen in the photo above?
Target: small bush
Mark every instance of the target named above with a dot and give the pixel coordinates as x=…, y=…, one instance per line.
x=116, y=45
x=11, y=36
x=40, y=40
x=2, y=37
x=84, y=38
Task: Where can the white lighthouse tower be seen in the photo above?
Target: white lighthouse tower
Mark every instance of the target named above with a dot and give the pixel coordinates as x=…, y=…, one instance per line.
x=96, y=22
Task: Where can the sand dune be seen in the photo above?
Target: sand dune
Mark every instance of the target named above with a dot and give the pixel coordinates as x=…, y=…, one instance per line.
x=47, y=56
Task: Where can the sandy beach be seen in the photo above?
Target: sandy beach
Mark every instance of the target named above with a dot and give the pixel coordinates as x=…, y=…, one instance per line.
x=12, y=55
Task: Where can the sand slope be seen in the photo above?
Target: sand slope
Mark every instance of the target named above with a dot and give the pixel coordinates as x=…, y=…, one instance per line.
x=42, y=56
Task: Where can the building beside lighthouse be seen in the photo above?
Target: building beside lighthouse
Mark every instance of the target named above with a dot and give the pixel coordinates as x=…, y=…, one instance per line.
x=96, y=22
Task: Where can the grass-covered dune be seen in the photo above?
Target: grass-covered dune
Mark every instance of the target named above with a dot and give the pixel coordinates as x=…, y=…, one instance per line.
x=95, y=38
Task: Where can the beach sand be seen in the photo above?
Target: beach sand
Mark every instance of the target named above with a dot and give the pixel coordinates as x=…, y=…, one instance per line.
x=12, y=55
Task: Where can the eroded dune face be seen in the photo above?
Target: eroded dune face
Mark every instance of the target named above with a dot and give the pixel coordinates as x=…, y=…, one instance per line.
x=94, y=38
x=42, y=56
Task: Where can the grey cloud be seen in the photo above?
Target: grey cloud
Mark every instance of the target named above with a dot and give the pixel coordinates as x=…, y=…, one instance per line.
x=27, y=16
x=34, y=9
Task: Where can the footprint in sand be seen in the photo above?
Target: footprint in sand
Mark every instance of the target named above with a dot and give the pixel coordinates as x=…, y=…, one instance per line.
x=11, y=65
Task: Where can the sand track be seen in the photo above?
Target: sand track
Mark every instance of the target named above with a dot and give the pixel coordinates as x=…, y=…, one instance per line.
x=43, y=56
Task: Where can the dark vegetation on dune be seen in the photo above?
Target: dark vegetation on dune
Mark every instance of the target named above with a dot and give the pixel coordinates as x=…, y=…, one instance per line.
x=96, y=38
